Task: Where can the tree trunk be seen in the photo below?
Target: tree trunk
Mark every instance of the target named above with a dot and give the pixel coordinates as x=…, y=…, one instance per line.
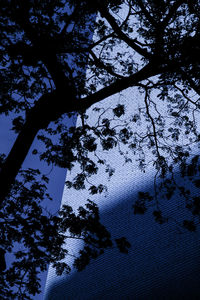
x=49, y=108
x=38, y=118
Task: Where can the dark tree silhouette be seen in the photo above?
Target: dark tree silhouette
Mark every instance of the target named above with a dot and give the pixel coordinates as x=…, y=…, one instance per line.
x=45, y=49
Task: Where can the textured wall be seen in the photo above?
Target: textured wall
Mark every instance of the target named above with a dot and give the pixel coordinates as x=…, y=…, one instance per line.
x=163, y=262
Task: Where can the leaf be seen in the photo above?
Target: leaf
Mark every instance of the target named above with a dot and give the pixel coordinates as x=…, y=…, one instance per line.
x=139, y=207
x=18, y=124
x=34, y=152
x=197, y=183
x=158, y=217
x=189, y=225
x=123, y=245
x=119, y=110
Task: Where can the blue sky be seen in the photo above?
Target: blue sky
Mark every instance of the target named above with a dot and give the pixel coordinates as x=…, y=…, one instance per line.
x=56, y=175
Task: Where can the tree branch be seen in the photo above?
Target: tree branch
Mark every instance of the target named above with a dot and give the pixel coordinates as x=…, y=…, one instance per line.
x=172, y=11
x=152, y=122
x=121, y=35
x=116, y=87
x=49, y=108
x=108, y=68
x=146, y=13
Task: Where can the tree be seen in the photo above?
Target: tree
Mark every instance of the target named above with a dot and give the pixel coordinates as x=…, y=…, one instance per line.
x=45, y=49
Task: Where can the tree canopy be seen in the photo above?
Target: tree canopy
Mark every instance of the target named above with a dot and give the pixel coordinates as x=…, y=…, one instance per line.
x=45, y=49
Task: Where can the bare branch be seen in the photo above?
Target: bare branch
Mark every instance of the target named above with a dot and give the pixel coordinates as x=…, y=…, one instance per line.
x=108, y=68
x=123, y=36
x=146, y=13
x=152, y=122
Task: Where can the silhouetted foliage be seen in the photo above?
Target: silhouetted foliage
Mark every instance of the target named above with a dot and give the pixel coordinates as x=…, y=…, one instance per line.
x=45, y=49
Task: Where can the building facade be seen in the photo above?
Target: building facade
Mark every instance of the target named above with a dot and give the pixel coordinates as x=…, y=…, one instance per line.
x=163, y=261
